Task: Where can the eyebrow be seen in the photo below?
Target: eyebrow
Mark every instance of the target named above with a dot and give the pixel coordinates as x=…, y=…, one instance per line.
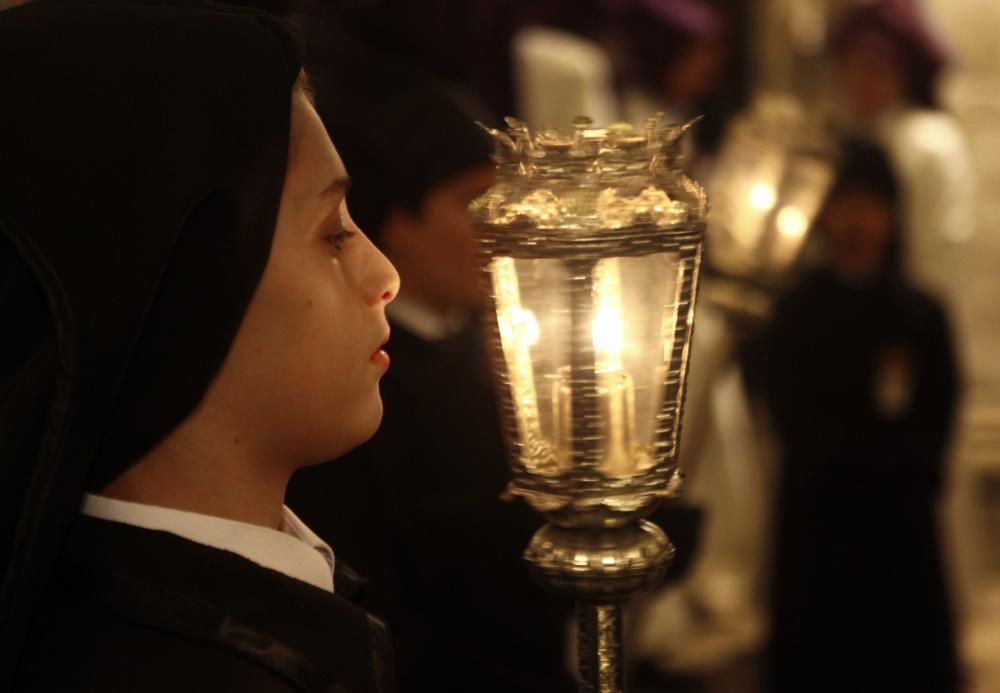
x=338, y=186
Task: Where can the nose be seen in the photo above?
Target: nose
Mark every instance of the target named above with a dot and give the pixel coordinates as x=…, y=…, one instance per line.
x=382, y=282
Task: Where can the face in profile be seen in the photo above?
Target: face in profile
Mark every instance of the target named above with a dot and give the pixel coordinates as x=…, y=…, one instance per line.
x=858, y=226
x=301, y=379
x=437, y=248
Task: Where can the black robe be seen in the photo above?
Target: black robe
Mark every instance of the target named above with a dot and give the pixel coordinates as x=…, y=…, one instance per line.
x=140, y=180
x=132, y=609
x=418, y=510
x=860, y=601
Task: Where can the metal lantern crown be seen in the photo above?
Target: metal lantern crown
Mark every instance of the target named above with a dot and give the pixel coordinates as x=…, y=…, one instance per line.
x=593, y=242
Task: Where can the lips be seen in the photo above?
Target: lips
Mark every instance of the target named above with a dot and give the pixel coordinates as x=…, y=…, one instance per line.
x=379, y=356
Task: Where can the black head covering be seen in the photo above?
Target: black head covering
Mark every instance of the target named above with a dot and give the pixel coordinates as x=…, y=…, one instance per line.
x=277, y=7
x=142, y=156
x=865, y=167
x=901, y=25
x=399, y=133
x=659, y=32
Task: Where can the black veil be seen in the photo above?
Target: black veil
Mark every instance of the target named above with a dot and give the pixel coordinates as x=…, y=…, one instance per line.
x=142, y=155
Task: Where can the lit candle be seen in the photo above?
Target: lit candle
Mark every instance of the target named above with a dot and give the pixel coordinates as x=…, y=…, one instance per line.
x=562, y=403
x=615, y=388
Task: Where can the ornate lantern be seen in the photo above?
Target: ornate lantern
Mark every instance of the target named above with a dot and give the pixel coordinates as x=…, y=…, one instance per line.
x=593, y=244
x=771, y=176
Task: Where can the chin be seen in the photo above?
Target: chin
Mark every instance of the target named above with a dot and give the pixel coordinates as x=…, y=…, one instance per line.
x=373, y=427
x=349, y=432
x=367, y=424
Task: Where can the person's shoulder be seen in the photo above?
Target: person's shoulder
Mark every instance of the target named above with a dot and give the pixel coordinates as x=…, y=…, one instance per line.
x=82, y=647
x=136, y=609
x=934, y=118
x=917, y=297
x=803, y=296
x=920, y=308
x=926, y=132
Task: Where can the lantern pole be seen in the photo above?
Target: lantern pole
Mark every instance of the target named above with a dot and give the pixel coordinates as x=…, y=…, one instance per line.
x=599, y=569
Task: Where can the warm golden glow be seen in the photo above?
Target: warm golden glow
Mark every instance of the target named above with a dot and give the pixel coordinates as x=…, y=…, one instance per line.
x=763, y=197
x=518, y=332
x=792, y=223
x=607, y=327
x=617, y=212
x=615, y=387
x=607, y=335
x=525, y=326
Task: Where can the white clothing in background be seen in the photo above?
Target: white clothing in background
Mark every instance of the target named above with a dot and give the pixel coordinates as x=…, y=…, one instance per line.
x=559, y=76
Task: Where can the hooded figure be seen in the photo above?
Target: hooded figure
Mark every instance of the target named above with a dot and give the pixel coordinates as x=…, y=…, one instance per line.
x=418, y=507
x=143, y=194
x=859, y=378
x=896, y=31
x=676, y=61
x=888, y=63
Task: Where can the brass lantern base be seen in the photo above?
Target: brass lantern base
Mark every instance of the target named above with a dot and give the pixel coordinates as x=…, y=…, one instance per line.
x=599, y=568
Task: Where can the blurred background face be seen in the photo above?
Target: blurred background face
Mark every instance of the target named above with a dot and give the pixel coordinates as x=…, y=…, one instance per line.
x=435, y=249
x=696, y=73
x=858, y=226
x=871, y=77
x=301, y=379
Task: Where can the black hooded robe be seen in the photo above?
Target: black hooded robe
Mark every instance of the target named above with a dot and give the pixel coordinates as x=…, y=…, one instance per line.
x=143, y=148
x=132, y=609
x=860, y=601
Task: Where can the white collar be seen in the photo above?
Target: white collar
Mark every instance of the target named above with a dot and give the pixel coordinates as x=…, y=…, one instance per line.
x=424, y=322
x=294, y=549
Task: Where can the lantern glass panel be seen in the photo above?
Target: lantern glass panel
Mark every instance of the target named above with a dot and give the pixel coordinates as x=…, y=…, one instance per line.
x=597, y=336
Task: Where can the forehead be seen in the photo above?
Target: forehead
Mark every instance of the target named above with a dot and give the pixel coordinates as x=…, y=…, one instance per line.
x=313, y=161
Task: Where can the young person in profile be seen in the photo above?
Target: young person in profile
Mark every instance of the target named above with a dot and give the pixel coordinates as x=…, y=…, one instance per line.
x=418, y=507
x=190, y=315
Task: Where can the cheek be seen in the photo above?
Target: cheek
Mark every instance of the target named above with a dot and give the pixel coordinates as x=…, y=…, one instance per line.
x=301, y=318
x=451, y=241
x=854, y=78
x=323, y=360
x=328, y=325
x=876, y=238
x=461, y=235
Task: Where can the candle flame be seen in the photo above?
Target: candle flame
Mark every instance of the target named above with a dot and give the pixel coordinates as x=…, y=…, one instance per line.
x=763, y=197
x=608, y=328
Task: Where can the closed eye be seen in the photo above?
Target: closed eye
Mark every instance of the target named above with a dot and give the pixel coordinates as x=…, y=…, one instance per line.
x=338, y=238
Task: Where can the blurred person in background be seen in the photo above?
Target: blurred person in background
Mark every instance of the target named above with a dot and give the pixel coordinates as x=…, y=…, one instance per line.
x=888, y=64
x=676, y=53
x=190, y=315
x=674, y=56
x=463, y=44
x=859, y=379
x=419, y=509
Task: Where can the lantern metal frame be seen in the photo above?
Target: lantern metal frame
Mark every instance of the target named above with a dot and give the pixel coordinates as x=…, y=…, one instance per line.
x=597, y=549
